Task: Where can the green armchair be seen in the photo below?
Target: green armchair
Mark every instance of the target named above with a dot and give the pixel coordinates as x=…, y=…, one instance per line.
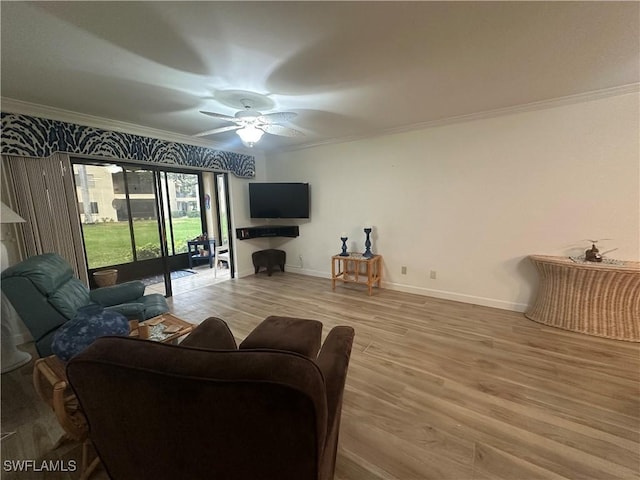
x=45, y=294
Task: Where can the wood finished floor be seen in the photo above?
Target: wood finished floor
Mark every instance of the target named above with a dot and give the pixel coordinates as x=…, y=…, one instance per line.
x=436, y=389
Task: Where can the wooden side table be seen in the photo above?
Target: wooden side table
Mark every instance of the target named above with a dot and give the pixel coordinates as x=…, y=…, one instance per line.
x=350, y=269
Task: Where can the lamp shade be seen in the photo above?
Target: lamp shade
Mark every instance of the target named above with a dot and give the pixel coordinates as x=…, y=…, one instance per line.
x=9, y=216
x=250, y=135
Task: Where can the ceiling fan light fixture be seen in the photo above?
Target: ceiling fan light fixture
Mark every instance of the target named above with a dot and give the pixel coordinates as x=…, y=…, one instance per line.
x=248, y=115
x=250, y=135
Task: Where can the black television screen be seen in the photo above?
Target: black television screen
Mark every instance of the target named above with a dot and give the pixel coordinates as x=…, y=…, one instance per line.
x=279, y=200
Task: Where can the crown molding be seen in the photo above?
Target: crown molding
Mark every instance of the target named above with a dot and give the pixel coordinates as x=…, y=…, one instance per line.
x=11, y=105
x=527, y=107
x=25, y=108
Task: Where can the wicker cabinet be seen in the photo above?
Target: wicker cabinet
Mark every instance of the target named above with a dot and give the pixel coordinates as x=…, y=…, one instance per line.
x=593, y=298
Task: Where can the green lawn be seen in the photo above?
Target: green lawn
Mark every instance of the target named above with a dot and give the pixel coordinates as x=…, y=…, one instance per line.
x=109, y=243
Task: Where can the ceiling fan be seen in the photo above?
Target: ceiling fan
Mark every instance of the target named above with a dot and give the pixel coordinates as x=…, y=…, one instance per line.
x=250, y=124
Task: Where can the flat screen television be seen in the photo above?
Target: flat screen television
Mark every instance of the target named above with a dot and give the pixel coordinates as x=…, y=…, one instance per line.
x=279, y=200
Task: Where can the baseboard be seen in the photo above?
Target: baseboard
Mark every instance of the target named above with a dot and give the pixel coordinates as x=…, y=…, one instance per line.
x=427, y=292
x=458, y=297
x=244, y=273
x=287, y=268
x=306, y=271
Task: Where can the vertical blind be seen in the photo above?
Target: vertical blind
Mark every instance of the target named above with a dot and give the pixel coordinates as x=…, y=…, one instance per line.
x=45, y=197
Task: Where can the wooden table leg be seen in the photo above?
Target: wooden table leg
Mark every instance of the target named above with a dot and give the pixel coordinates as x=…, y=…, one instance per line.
x=87, y=468
x=333, y=274
x=50, y=382
x=356, y=272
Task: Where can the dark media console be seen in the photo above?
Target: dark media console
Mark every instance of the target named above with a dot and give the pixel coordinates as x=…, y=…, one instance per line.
x=267, y=231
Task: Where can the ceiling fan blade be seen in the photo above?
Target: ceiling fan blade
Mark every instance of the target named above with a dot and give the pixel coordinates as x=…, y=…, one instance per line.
x=217, y=130
x=282, y=131
x=220, y=116
x=278, y=117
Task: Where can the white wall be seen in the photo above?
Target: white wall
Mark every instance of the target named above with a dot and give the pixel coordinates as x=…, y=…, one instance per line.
x=239, y=199
x=211, y=219
x=471, y=200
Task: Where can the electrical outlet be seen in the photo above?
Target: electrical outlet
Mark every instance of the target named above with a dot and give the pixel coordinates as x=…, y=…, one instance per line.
x=433, y=274
x=403, y=270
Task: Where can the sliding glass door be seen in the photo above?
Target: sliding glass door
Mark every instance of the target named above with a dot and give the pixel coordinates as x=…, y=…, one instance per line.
x=183, y=214
x=104, y=214
x=137, y=219
x=224, y=216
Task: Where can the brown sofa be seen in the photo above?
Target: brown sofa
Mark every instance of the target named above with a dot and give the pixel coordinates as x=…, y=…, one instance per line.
x=205, y=409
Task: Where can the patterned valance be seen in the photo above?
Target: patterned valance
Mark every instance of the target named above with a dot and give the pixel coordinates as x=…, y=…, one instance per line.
x=24, y=135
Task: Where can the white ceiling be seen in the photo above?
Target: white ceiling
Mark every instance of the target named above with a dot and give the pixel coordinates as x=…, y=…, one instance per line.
x=349, y=69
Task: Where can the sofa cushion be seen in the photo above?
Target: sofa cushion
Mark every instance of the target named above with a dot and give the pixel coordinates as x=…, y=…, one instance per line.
x=133, y=311
x=285, y=333
x=212, y=333
x=154, y=305
x=38, y=315
x=70, y=297
x=117, y=294
x=47, y=272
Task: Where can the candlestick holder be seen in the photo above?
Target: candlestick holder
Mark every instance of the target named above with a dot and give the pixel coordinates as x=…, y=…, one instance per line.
x=367, y=244
x=344, y=247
